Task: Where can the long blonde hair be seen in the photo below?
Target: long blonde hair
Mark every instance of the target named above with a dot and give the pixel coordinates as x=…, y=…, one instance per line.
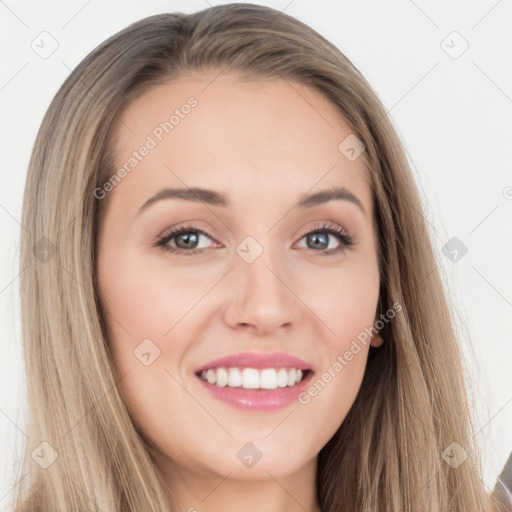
x=389, y=454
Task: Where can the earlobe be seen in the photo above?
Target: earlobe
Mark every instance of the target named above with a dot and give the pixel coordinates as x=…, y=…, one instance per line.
x=377, y=341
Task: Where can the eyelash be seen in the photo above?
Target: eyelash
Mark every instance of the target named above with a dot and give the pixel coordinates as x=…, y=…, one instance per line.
x=346, y=239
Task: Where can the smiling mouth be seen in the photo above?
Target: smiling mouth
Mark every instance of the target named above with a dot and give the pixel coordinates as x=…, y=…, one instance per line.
x=253, y=378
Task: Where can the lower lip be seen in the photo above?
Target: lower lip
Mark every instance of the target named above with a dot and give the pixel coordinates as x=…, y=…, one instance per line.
x=258, y=399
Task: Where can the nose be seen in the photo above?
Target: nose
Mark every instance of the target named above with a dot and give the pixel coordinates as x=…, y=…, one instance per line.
x=261, y=296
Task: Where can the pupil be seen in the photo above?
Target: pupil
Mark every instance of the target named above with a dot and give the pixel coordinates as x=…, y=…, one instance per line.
x=187, y=238
x=316, y=236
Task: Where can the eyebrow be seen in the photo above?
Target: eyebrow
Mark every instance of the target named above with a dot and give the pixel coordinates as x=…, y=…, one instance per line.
x=214, y=198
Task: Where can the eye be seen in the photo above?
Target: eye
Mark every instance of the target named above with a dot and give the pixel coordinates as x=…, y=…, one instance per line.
x=185, y=239
x=319, y=238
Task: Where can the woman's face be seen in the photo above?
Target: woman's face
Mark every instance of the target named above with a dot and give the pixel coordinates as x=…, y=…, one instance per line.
x=245, y=275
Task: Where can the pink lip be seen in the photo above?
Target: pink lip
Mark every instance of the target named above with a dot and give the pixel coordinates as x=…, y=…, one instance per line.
x=257, y=360
x=258, y=399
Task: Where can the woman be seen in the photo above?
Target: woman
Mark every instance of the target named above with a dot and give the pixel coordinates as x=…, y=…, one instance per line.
x=257, y=369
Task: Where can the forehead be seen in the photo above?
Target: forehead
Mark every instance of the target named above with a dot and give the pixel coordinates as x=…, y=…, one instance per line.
x=244, y=137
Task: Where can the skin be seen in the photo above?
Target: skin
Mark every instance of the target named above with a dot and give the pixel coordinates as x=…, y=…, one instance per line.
x=263, y=145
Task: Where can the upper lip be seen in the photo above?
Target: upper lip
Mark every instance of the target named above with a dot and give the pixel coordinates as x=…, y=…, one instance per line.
x=257, y=360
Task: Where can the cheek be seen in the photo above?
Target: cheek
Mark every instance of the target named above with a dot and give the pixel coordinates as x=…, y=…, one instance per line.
x=346, y=306
x=151, y=318
x=144, y=301
x=344, y=302
x=141, y=306
x=349, y=312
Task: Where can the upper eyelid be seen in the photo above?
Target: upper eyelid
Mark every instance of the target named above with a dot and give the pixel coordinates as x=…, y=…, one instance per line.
x=323, y=224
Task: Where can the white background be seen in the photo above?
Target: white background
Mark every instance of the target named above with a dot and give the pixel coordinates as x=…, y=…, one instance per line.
x=454, y=116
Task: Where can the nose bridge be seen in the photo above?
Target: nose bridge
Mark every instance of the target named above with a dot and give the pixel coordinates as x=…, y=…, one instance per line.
x=261, y=293
x=260, y=268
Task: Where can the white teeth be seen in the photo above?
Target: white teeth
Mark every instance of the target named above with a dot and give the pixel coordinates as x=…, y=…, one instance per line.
x=282, y=378
x=268, y=379
x=211, y=377
x=222, y=377
x=251, y=378
x=234, y=378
